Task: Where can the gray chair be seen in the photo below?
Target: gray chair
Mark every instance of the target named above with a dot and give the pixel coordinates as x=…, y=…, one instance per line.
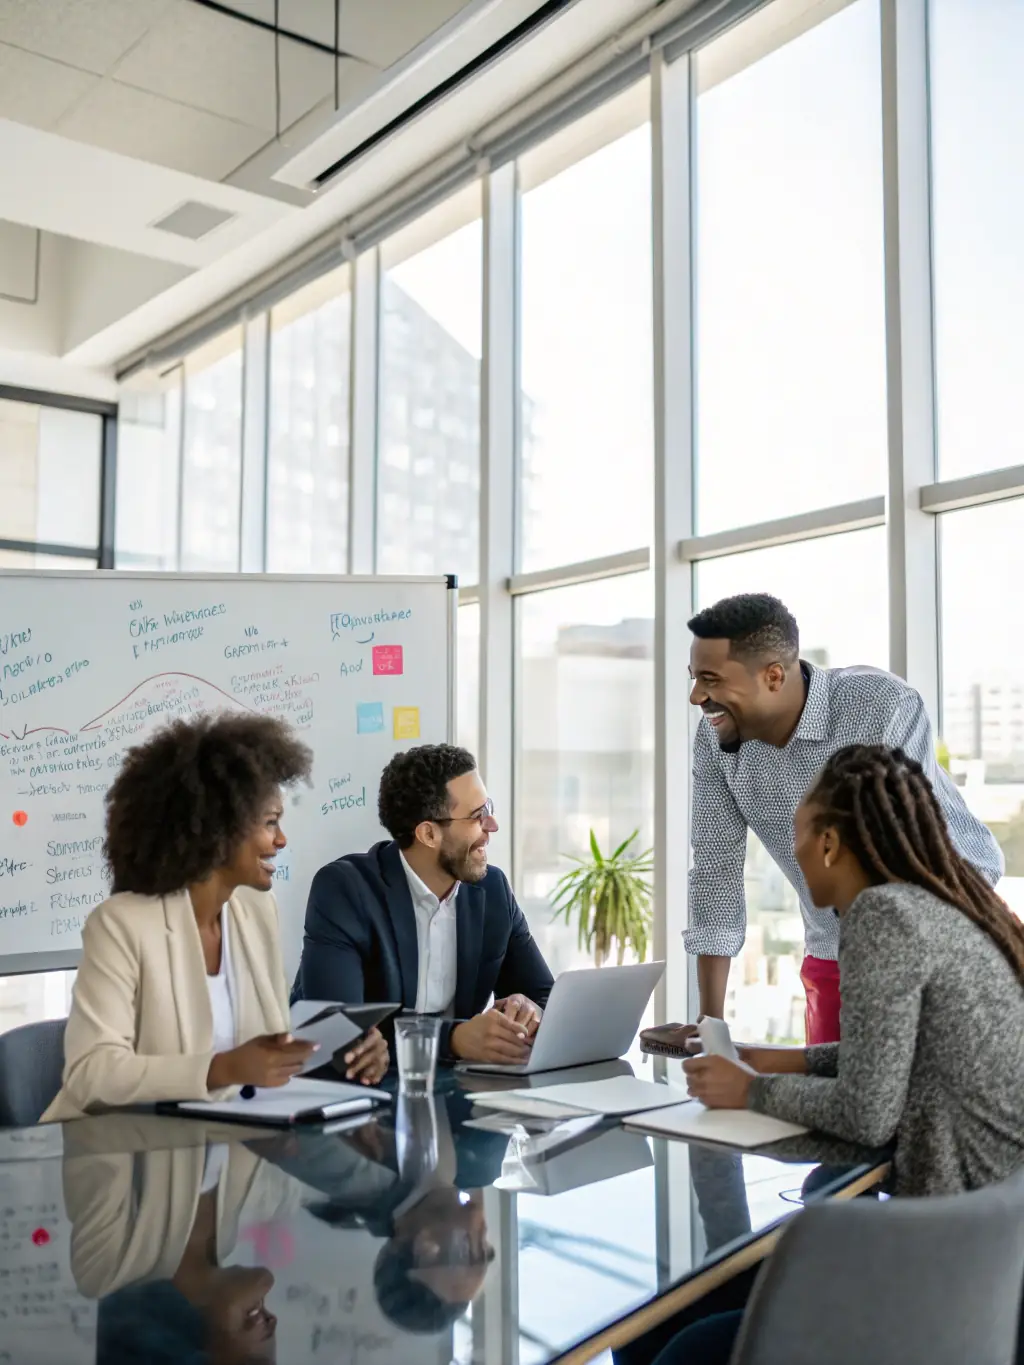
x=31, y=1067
x=931, y=1280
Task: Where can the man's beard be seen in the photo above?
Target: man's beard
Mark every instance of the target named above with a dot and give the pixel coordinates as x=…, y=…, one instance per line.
x=460, y=865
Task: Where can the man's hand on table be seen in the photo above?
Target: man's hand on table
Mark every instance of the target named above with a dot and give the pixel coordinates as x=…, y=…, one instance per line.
x=491, y=1037
x=521, y=1010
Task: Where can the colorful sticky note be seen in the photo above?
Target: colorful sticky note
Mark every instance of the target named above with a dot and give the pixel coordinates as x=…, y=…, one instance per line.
x=387, y=659
x=407, y=722
x=369, y=717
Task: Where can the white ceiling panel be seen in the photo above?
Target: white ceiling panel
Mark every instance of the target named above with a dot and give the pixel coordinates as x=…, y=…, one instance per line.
x=37, y=91
x=103, y=197
x=384, y=31
x=199, y=57
x=140, y=124
x=89, y=34
x=380, y=31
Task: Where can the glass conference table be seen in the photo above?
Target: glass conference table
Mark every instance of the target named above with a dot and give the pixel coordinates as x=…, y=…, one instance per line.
x=434, y=1232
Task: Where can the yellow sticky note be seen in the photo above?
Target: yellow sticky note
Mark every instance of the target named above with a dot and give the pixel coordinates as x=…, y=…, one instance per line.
x=407, y=722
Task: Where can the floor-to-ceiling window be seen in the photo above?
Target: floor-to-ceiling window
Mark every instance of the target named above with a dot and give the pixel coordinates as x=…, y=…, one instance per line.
x=307, y=506
x=211, y=457
x=790, y=373
x=977, y=123
x=583, y=664
x=428, y=472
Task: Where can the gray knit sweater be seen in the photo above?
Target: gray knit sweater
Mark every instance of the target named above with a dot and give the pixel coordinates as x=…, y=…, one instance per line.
x=932, y=1051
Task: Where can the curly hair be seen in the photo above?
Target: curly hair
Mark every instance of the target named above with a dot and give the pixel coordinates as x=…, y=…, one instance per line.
x=887, y=814
x=183, y=800
x=414, y=787
x=755, y=624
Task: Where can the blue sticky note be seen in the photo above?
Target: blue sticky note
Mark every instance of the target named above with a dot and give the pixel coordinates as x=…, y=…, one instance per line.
x=369, y=717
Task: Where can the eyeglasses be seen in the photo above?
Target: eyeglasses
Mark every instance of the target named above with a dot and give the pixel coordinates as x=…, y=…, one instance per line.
x=485, y=812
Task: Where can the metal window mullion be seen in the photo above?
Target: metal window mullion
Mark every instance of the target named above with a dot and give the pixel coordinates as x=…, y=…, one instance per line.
x=108, y=492
x=910, y=368
x=252, y=540
x=672, y=123
x=499, y=437
x=974, y=490
x=364, y=390
x=585, y=571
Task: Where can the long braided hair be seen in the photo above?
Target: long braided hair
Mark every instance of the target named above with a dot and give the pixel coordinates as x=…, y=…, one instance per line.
x=886, y=813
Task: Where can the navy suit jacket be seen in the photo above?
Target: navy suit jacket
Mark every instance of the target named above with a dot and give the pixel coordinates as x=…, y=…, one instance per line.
x=360, y=939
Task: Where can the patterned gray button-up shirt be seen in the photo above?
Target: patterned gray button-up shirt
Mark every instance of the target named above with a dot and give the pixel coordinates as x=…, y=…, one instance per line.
x=759, y=786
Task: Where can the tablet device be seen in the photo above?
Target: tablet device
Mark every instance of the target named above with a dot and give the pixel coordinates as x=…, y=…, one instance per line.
x=334, y=1026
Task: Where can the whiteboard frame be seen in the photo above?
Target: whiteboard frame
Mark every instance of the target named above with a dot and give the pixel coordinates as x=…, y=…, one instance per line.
x=28, y=964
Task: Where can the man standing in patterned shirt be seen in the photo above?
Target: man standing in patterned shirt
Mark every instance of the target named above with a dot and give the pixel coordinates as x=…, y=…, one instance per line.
x=770, y=723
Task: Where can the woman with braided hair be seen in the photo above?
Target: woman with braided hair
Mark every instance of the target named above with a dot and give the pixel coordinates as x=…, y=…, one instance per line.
x=932, y=978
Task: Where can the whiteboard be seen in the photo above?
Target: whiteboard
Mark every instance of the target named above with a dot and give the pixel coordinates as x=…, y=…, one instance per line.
x=92, y=662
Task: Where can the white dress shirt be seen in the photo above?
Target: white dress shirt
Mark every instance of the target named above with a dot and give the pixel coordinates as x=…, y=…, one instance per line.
x=221, y=988
x=222, y=995
x=435, y=939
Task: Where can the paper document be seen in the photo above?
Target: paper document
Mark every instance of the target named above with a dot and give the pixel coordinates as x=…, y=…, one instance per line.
x=716, y=1039
x=616, y=1096
x=734, y=1127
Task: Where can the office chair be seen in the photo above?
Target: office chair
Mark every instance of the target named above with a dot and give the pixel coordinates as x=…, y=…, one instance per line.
x=31, y=1067
x=931, y=1280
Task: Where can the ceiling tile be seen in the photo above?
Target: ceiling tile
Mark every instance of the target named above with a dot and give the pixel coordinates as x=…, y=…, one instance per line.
x=36, y=91
x=312, y=18
x=211, y=61
x=151, y=128
x=384, y=31
x=89, y=34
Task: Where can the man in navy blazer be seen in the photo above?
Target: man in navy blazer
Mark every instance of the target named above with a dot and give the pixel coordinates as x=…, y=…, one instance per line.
x=422, y=919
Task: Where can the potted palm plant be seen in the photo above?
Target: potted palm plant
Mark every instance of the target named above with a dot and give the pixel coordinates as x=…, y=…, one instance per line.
x=610, y=900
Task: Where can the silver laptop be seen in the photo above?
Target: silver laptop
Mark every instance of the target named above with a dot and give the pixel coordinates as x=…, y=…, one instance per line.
x=591, y=1016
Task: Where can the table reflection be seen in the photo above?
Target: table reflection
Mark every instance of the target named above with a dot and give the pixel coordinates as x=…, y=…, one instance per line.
x=429, y=1232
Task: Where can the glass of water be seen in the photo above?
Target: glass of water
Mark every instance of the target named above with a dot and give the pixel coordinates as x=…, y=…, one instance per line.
x=416, y=1044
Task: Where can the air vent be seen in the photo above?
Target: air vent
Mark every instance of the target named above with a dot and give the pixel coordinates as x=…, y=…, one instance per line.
x=194, y=220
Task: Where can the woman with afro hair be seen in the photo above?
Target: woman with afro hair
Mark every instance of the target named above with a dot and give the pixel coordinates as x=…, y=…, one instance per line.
x=181, y=992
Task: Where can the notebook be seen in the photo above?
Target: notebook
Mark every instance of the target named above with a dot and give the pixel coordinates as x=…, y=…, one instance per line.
x=300, y=1101
x=613, y=1097
x=733, y=1127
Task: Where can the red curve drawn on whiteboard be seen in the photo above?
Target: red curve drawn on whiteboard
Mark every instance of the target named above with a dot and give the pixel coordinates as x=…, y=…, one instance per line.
x=36, y=730
x=173, y=673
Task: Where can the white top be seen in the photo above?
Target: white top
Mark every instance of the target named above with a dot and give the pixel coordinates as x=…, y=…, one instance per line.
x=435, y=939
x=214, y=1166
x=221, y=988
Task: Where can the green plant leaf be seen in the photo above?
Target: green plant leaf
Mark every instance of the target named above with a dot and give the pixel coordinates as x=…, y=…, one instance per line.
x=595, y=850
x=624, y=845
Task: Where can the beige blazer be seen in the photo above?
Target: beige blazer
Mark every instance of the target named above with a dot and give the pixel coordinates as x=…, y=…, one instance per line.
x=132, y=1208
x=140, y=1028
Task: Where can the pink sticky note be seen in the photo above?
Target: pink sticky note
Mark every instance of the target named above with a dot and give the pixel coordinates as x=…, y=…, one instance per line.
x=387, y=659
